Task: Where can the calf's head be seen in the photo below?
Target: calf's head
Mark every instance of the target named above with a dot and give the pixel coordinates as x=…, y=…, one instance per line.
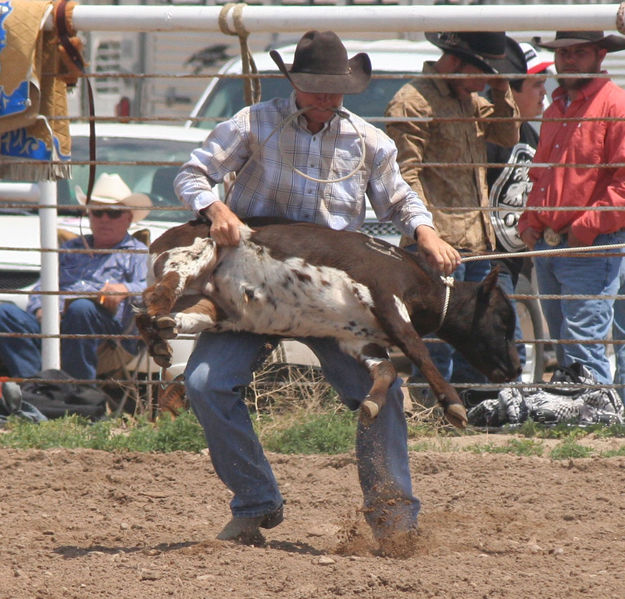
x=480, y=323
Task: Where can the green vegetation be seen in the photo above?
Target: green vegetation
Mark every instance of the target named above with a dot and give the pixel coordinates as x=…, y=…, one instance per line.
x=521, y=447
x=183, y=433
x=295, y=412
x=318, y=433
x=295, y=431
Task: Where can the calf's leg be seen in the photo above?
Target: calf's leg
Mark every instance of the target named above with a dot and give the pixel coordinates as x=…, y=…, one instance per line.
x=408, y=340
x=383, y=374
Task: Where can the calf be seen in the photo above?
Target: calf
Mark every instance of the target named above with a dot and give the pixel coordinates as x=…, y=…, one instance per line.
x=302, y=279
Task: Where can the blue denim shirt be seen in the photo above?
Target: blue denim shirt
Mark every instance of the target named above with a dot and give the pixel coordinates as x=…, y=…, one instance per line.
x=83, y=271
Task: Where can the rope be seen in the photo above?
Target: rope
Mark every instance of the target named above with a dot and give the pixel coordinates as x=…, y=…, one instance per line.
x=533, y=253
x=280, y=127
x=341, y=114
x=620, y=18
x=449, y=283
x=251, y=87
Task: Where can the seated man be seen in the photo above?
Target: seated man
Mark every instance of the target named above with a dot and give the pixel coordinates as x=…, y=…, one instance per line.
x=122, y=273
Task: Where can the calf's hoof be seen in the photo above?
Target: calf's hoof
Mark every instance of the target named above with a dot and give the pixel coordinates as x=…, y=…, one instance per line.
x=369, y=410
x=165, y=327
x=456, y=415
x=161, y=353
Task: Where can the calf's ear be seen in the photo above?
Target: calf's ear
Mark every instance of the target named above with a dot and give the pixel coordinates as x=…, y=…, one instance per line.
x=488, y=284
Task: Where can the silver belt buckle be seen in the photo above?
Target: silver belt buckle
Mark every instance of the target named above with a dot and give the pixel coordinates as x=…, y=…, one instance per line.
x=552, y=237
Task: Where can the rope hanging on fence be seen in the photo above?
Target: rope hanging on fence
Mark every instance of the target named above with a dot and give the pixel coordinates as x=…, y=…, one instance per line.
x=251, y=86
x=620, y=18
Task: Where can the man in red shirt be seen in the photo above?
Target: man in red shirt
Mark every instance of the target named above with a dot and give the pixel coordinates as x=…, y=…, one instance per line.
x=592, y=133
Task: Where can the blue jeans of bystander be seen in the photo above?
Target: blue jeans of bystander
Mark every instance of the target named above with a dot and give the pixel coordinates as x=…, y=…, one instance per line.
x=506, y=282
x=451, y=364
x=22, y=356
x=618, y=334
x=580, y=319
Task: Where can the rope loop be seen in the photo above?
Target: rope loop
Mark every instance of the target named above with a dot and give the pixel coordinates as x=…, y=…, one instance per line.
x=287, y=159
x=448, y=281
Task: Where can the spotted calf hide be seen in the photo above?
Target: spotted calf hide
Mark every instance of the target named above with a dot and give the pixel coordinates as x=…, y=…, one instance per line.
x=301, y=280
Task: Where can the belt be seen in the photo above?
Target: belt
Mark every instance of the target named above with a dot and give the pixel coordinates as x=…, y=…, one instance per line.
x=552, y=237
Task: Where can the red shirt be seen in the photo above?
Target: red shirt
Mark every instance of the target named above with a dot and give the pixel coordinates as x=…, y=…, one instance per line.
x=580, y=142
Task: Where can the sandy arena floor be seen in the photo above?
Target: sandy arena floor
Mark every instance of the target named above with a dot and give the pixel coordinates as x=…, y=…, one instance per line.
x=83, y=524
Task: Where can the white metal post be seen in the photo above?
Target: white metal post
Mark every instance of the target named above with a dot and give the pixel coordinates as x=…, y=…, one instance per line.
x=50, y=347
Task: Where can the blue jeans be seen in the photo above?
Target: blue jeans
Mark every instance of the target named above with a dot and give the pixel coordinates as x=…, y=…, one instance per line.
x=580, y=319
x=450, y=363
x=618, y=334
x=22, y=356
x=218, y=369
x=505, y=281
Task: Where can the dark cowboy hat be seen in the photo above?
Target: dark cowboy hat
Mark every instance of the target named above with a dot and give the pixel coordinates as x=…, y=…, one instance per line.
x=491, y=51
x=612, y=43
x=320, y=66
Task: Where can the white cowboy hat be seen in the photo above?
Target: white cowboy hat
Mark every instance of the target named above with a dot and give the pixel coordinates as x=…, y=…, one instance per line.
x=111, y=190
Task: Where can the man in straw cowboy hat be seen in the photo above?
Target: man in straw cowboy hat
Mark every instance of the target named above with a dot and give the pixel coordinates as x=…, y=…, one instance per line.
x=444, y=121
x=578, y=139
x=305, y=158
x=88, y=273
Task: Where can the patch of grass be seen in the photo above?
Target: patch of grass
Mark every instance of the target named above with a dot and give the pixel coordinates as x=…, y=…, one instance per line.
x=520, y=447
x=564, y=431
x=613, y=453
x=318, y=433
x=570, y=448
x=165, y=435
x=614, y=430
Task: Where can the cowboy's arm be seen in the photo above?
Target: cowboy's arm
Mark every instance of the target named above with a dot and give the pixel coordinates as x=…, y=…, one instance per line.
x=224, y=151
x=391, y=197
x=502, y=132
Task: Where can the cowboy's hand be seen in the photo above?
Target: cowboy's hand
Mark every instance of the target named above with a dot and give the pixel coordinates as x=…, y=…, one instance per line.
x=111, y=302
x=439, y=253
x=530, y=236
x=224, y=224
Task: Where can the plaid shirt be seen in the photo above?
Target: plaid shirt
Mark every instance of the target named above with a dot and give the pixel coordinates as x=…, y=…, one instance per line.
x=258, y=146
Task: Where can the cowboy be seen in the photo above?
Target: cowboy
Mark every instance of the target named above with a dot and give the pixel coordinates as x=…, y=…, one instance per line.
x=439, y=126
x=574, y=133
x=304, y=158
x=111, y=210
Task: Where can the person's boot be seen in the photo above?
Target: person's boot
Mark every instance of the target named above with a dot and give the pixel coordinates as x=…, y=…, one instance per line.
x=247, y=530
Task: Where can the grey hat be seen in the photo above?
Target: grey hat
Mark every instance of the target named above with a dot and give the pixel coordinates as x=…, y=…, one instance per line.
x=563, y=39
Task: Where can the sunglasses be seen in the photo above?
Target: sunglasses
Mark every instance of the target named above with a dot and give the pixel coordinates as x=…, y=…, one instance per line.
x=112, y=214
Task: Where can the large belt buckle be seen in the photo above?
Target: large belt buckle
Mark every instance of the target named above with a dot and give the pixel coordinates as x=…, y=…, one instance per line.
x=552, y=237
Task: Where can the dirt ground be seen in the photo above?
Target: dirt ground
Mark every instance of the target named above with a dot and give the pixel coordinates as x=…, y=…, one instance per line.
x=83, y=524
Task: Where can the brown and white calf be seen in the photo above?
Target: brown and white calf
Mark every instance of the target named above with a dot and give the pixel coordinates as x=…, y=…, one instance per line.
x=301, y=280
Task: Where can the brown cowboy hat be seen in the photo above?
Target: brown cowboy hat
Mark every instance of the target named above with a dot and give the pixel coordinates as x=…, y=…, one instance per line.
x=491, y=51
x=320, y=66
x=612, y=43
